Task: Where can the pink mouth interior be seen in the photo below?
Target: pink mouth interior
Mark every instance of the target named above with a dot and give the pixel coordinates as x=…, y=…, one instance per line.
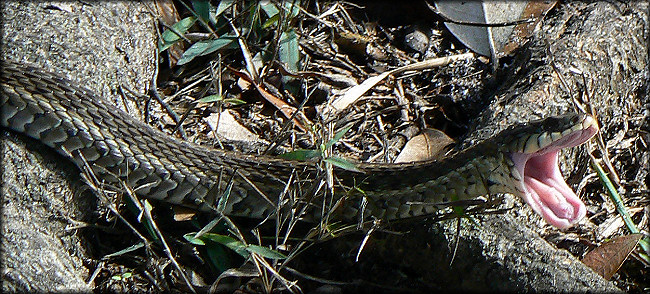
x=545, y=189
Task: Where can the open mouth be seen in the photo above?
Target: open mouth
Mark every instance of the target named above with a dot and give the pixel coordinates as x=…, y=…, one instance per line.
x=544, y=187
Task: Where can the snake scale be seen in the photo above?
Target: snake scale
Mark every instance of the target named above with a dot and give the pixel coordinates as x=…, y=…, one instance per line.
x=80, y=125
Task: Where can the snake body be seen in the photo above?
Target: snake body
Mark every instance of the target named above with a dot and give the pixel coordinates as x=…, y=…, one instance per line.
x=85, y=128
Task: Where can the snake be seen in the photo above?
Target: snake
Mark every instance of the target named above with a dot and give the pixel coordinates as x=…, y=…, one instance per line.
x=84, y=127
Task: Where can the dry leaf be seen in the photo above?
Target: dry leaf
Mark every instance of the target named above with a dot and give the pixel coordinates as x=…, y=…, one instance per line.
x=535, y=9
x=608, y=257
x=182, y=214
x=226, y=126
x=492, y=40
x=300, y=120
x=430, y=144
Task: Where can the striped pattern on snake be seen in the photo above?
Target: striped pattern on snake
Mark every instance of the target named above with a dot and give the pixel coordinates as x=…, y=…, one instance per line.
x=521, y=160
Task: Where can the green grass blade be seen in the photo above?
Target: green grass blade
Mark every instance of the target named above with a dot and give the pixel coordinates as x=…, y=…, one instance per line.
x=171, y=36
x=342, y=163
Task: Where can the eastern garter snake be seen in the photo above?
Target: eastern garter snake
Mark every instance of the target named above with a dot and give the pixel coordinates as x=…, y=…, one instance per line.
x=521, y=160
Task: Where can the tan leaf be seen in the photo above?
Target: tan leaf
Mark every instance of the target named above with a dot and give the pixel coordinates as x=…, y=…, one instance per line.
x=182, y=214
x=608, y=257
x=430, y=144
x=226, y=126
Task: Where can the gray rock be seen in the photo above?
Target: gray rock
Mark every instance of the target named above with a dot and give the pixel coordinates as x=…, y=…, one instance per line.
x=100, y=45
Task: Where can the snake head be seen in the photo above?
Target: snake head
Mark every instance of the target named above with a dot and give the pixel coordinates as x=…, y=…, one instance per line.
x=535, y=159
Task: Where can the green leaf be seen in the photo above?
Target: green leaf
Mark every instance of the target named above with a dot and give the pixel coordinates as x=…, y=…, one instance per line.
x=342, y=163
x=254, y=20
x=289, y=51
x=272, y=10
x=127, y=275
x=169, y=37
x=218, y=257
x=269, y=8
x=230, y=242
x=234, y=101
x=202, y=9
x=124, y=251
x=271, y=21
x=265, y=252
x=210, y=227
x=217, y=97
x=459, y=210
x=206, y=47
x=337, y=137
x=236, y=245
x=223, y=200
x=301, y=154
x=211, y=98
x=223, y=5
x=293, y=8
x=190, y=238
x=147, y=223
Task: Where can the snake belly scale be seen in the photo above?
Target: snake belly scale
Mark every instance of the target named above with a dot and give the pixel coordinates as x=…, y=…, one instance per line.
x=83, y=126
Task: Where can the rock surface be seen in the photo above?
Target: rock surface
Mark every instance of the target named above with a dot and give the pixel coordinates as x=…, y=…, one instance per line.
x=101, y=45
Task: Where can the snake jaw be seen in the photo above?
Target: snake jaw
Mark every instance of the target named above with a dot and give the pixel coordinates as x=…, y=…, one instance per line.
x=546, y=191
x=544, y=188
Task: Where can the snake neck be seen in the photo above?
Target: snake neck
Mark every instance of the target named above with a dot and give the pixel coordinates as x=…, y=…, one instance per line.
x=427, y=187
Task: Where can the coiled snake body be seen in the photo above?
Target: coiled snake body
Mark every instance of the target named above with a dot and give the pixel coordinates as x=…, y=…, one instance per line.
x=82, y=126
